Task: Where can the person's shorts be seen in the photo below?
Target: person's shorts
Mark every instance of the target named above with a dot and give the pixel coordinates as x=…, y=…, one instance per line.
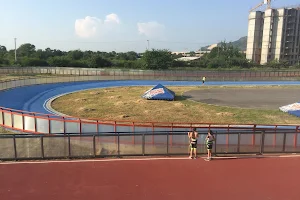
x=203, y=81
x=193, y=146
x=209, y=146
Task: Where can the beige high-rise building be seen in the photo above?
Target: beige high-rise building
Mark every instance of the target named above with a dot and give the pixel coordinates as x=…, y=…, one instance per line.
x=274, y=34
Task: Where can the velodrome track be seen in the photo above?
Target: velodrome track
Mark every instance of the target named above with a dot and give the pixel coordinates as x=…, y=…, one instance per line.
x=33, y=98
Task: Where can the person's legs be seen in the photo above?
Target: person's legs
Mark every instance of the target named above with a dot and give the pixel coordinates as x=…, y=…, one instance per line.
x=210, y=151
x=195, y=152
x=191, y=152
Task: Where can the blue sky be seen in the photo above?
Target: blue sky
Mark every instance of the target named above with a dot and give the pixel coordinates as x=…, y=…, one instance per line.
x=120, y=25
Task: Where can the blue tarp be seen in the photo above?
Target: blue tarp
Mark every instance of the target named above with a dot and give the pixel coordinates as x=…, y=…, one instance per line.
x=293, y=109
x=159, y=92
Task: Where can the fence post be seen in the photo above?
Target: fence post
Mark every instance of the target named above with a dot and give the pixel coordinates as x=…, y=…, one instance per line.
x=15, y=147
x=284, y=141
x=262, y=142
x=42, y=146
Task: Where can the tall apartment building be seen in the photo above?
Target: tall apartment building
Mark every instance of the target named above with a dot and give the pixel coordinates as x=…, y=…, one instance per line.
x=274, y=34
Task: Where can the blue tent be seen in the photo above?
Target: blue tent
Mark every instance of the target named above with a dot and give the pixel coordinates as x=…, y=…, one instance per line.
x=159, y=92
x=293, y=109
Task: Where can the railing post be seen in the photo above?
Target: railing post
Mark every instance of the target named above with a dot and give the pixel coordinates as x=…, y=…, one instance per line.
x=64, y=124
x=49, y=124
x=168, y=143
x=42, y=146
x=253, y=135
x=69, y=146
x=12, y=119
x=152, y=133
x=2, y=115
x=15, y=147
x=97, y=127
x=239, y=143
x=94, y=145
x=133, y=135
x=171, y=138
x=80, y=126
x=35, y=123
x=118, y=144
x=215, y=149
x=262, y=142
x=23, y=122
x=284, y=141
x=143, y=144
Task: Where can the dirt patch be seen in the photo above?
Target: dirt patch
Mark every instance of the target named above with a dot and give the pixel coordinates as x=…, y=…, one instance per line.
x=83, y=109
x=80, y=100
x=224, y=114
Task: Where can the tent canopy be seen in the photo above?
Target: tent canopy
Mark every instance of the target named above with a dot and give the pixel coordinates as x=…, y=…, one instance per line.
x=159, y=92
x=293, y=109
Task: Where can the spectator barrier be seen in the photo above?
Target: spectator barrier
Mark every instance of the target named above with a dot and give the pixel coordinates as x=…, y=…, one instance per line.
x=28, y=147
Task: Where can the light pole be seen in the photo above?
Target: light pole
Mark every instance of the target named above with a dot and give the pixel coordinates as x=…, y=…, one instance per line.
x=15, y=50
x=148, y=44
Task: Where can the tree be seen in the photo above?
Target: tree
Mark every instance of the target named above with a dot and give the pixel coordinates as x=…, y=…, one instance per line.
x=27, y=50
x=192, y=53
x=59, y=61
x=97, y=61
x=75, y=55
x=3, y=51
x=158, y=59
x=35, y=62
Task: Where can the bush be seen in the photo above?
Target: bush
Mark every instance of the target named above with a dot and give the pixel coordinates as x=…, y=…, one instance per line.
x=59, y=61
x=33, y=62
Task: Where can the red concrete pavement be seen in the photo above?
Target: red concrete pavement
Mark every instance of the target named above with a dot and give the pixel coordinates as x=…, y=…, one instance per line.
x=221, y=179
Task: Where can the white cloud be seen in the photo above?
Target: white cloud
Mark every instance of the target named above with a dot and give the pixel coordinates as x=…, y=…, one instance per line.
x=112, y=18
x=151, y=29
x=91, y=26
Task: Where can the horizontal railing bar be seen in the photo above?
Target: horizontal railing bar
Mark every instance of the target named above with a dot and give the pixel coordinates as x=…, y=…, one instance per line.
x=124, y=134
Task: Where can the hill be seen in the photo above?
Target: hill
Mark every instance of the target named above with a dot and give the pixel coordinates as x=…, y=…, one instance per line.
x=241, y=44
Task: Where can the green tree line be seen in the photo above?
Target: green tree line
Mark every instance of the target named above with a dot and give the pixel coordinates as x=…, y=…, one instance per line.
x=224, y=56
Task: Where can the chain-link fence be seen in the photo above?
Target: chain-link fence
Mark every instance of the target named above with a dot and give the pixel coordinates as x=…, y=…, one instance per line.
x=179, y=75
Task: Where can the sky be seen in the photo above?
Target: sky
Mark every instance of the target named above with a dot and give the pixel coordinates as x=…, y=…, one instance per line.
x=125, y=25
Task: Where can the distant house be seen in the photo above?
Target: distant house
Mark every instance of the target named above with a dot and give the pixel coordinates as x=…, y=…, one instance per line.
x=187, y=59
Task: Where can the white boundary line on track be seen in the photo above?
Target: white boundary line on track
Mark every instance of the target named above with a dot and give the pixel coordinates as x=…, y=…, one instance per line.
x=140, y=159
